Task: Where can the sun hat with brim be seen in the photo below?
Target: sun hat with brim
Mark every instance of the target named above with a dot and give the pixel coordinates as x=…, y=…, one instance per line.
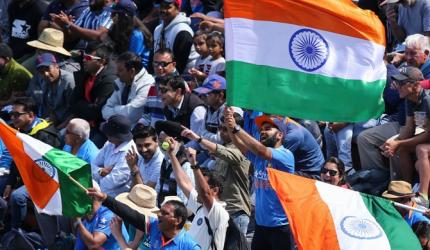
x=52, y=40
x=398, y=189
x=117, y=126
x=141, y=198
x=260, y=120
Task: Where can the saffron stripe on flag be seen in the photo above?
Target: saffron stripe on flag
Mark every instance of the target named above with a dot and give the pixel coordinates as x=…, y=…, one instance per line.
x=286, y=92
x=338, y=16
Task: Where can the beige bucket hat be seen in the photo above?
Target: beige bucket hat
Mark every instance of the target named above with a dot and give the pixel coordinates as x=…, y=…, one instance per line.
x=52, y=40
x=141, y=198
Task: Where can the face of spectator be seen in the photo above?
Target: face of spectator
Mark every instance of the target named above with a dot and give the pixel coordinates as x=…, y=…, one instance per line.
x=168, y=12
x=166, y=218
x=200, y=46
x=146, y=147
x=214, y=100
x=20, y=118
x=269, y=135
x=70, y=138
x=3, y=62
x=415, y=56
x=163, y=64
x=92, y=63
x=330, y=174
x=168, y=95
x=126, y=76
x=96, y=5
x=215, y=48
x=425, y=242
x=405, y=89
x=223, y=132
x=50, y=74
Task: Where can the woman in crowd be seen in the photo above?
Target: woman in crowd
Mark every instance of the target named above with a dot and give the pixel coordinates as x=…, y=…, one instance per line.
x=333, y=172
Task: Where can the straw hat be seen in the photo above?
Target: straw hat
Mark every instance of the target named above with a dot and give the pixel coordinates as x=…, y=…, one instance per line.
x=141, y=198
x=50, y=39
x=398, y=189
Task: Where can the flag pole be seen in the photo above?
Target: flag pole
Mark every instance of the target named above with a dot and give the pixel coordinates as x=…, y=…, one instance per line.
x=77, y=183
x=408, y=207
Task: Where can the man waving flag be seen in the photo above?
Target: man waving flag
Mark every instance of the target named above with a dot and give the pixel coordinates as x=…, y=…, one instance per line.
x=318, y=60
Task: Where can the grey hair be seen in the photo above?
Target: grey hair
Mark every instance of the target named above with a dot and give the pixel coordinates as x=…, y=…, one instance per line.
x=418, y=41
x=80, y=127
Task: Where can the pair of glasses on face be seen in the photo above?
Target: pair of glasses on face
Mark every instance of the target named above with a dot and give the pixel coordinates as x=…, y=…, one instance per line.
x=17, y=114
x=161, y=64
x=331, y=172
x=88, y=57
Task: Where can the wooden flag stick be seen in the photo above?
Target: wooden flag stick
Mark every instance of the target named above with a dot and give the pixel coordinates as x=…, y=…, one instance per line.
x=77, y=183
x=408, y=207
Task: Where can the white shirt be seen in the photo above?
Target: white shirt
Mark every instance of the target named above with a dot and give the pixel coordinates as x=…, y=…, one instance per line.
x=117, y=181
x=187, y=169
x=215, y=66
x=218, y=219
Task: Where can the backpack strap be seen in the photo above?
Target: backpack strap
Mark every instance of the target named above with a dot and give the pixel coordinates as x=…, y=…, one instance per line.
x=210, y=232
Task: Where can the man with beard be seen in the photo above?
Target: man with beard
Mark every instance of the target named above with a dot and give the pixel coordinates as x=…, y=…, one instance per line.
x=175, y=33
x=272, y=230
x=92, y=25
x=146, y=162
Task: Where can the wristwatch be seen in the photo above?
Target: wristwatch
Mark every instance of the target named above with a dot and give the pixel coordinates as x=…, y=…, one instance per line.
x=235, y=129
x=199, y=140
x=134, y=172
x=197, y=166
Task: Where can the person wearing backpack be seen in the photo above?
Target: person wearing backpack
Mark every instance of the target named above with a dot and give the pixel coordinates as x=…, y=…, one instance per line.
x=211, y=220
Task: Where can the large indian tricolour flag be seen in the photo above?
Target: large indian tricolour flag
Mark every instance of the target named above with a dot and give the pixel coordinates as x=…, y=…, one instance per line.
x=324, y=216
x=313, y=59
x=47, y=174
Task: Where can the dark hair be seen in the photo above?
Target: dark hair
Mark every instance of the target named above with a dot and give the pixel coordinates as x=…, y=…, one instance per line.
x=28, y=105
x=142, y=132
x=237, y=118
x=131, y=61
x=166, y=51
x=102, y=50
x=218, y=37
x=180, y=211
x=174, y=81
x=422, y=229
x=214, y=179
x=340, y=167
x=201, y=33
x=121, y=31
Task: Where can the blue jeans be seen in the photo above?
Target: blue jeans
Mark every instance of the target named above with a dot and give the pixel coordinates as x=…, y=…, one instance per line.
x=241, y=220
x=18, y=202
x=339, y=144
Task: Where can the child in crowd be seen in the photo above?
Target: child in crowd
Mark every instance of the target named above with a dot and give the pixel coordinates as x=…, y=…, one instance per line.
x=200, y=68
x=215, y=43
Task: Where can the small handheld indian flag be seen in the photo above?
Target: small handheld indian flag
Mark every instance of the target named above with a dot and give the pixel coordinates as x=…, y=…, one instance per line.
x=55, y=180
x=318, y=60
x=324, y=216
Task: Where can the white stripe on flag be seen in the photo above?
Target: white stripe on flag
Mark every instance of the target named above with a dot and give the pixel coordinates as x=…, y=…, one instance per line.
x=351, y=218
x=266, y=43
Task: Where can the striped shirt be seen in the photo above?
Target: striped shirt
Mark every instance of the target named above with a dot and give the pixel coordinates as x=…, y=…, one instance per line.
x=150, y=170
x=92, y=20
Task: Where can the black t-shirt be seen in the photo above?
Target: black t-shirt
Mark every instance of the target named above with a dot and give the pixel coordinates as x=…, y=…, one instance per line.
x=423, y=104
x=23, y=22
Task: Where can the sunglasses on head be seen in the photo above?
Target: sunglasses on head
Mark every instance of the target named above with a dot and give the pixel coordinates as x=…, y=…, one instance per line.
x=161, y=64
x=88, y=57
x=331, y=172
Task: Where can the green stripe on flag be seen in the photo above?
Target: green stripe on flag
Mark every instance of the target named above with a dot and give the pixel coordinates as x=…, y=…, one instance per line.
x=75, y=201
x=302, y=95
x=399, y=233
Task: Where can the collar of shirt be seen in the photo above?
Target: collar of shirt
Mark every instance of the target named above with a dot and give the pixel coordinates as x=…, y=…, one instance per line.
x=122, y=147
x=176, y=109
x=33, y=124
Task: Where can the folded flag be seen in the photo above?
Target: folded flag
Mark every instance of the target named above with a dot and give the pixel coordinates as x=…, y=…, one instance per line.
x=324, y=216
x=46, y=173
x=318, y=60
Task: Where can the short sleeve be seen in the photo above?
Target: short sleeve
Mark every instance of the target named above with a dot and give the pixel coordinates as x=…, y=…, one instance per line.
x=103, y=222
x=192, y=203
x=282, y=159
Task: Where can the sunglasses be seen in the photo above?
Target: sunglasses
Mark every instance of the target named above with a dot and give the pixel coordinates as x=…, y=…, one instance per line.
x=161, y=64
x=91, y=57
x=331, y=172
x=17, y=114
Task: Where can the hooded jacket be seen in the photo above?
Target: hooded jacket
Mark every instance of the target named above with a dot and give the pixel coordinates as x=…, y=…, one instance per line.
x=178, y=36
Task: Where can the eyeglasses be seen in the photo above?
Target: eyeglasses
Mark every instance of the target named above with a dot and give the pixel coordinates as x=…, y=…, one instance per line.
x=163, y=90
x=17, y=114
x=161, y=64
x=331, y=172
x=88, y=57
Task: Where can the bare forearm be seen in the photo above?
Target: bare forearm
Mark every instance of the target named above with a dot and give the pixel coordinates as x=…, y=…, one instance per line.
x=415, y=140
x=203, y=189
x=252, y=144
x=88, y=238
x=136, y=177
x=86, y=34
x=181, y=177
x=208, y=145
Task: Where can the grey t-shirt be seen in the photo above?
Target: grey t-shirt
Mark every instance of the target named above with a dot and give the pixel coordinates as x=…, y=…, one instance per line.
x=416, y=18
x=423, y=104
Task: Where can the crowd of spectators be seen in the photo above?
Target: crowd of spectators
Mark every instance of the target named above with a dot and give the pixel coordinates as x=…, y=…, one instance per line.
x=137, y=89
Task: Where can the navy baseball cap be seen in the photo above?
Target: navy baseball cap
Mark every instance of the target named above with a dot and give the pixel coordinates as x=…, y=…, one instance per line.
x=125, y=6
x=212, y=82
x=45, y=59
